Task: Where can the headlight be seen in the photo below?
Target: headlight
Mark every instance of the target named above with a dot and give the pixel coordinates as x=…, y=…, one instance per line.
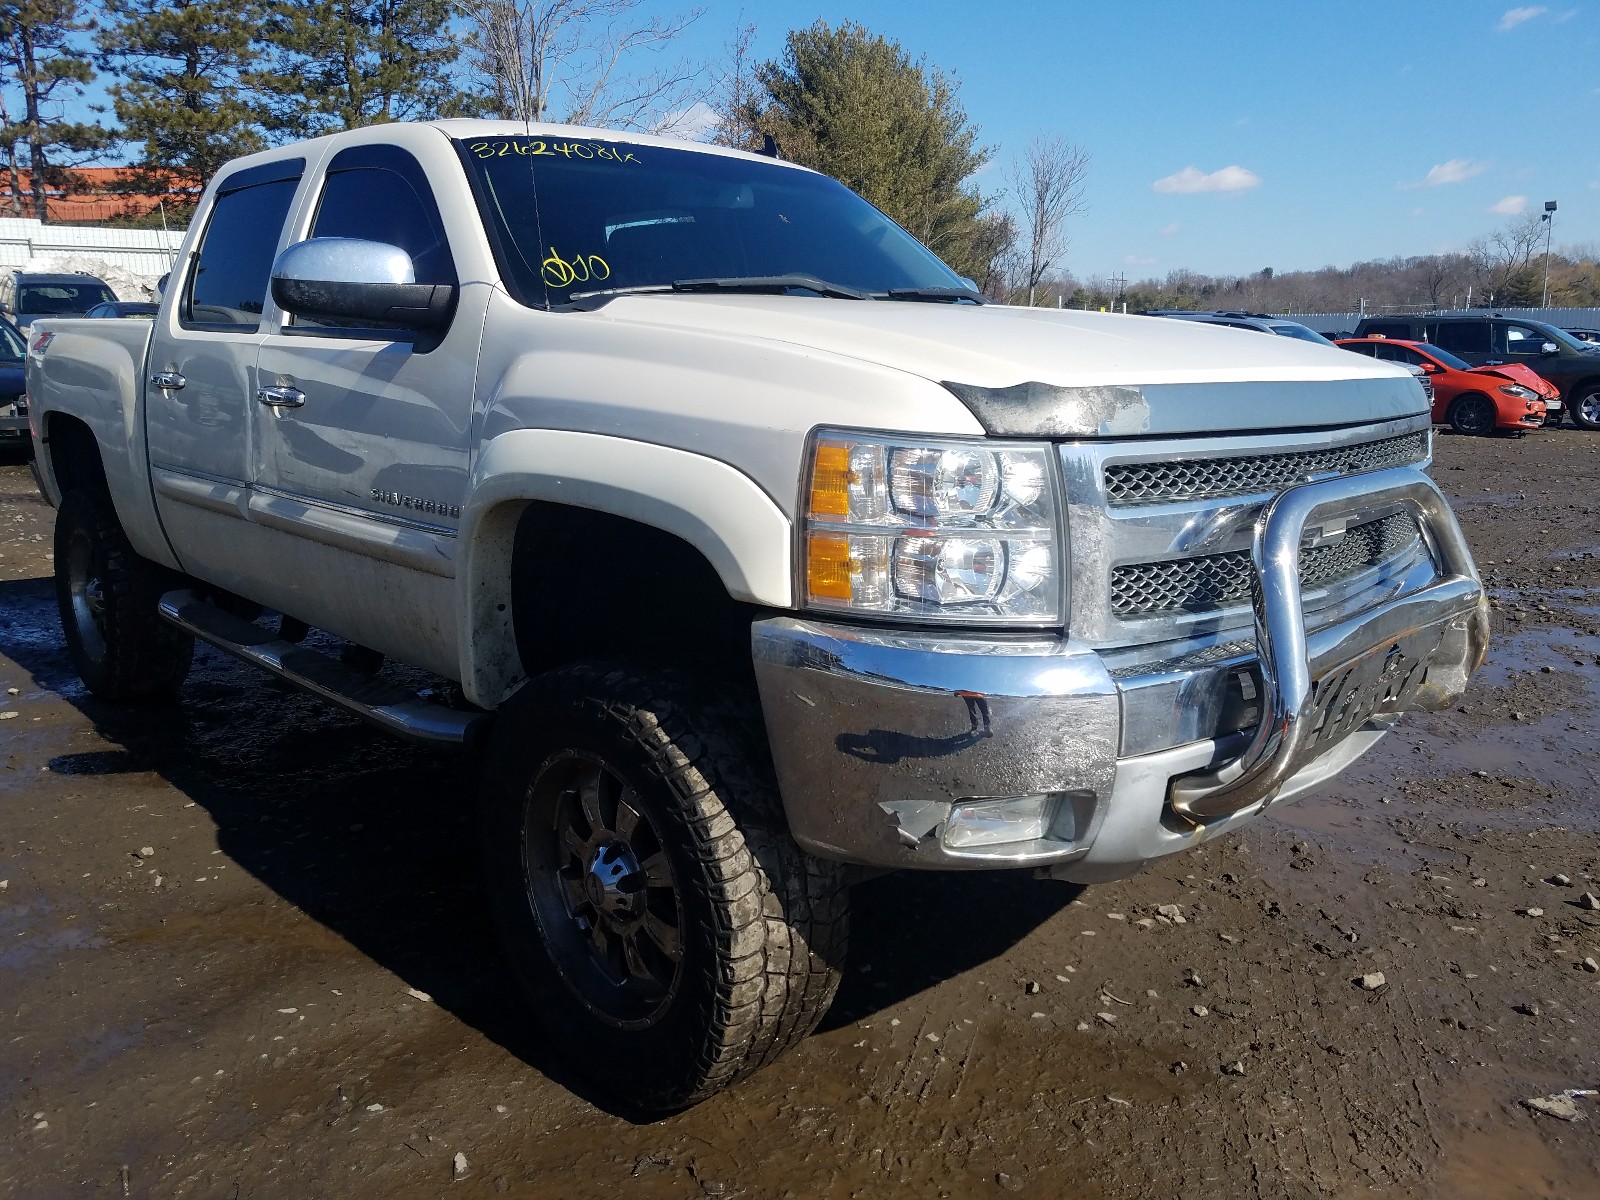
x=1517, y=391
x=951, y=531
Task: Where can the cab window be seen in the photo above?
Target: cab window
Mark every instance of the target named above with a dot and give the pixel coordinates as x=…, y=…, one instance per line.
x=228, y=287
x=380, y=194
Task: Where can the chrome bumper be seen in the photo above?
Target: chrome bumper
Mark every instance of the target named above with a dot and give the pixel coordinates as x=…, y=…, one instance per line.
x=882, y=739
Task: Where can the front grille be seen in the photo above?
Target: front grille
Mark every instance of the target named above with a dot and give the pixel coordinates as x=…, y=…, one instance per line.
x=1253, y=474
x=1220, y=580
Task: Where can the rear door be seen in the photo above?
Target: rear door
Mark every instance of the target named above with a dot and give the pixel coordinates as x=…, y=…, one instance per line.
x=198, y=394
x=1465, y=339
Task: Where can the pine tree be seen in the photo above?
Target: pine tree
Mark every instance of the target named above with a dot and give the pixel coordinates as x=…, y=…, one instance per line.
x=181, y=90
x=44, y=63
x=342, y=64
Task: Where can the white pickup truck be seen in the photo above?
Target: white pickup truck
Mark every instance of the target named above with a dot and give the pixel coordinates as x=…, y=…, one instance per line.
x=756, y=549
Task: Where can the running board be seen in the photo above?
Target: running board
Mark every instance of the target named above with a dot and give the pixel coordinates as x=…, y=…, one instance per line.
x=385, y=704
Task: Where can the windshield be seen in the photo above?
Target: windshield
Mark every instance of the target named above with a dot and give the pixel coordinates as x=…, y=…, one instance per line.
x=1562, y=337
x=1445, y=357
x=573, y=217
x=61, y=299
x=1304, y=332
x=12, y=348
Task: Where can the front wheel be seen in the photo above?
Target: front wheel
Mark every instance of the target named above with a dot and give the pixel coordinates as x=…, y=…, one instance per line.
x=668, y=931
x=1585, y=407
x=1472, y=414
x=108, y=596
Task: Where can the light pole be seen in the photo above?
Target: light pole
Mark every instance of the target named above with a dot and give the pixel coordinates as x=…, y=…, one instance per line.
x=1549, y=219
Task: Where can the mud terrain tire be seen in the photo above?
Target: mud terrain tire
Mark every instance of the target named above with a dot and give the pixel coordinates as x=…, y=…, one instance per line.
x=667, y=930
x=107, y=595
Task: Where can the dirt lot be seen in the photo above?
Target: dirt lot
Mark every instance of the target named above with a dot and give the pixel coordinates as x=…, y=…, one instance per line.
x=242, y=955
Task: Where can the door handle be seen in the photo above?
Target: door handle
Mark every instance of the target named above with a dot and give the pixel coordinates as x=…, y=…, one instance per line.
x=168, y=381
x=279, y=396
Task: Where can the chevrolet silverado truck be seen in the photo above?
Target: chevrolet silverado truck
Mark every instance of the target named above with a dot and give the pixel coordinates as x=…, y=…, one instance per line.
x=754, y=551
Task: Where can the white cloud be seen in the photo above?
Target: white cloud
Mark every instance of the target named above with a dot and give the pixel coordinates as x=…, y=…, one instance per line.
x=1418, y=211
x=1191, y=180
x=693, y=123
x=1511, y=206
x=1138, y=260
x=1172, y=229
x=1516, y=16
x=1457, y=170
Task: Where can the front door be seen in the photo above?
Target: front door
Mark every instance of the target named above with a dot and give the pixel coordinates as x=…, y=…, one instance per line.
x=361, y=435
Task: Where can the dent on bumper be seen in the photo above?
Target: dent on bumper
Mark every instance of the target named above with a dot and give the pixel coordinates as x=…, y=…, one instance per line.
x=876, y=735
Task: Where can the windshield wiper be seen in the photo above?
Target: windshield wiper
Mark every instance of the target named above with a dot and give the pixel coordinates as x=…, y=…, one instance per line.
x=949, y=295
x=775, y=284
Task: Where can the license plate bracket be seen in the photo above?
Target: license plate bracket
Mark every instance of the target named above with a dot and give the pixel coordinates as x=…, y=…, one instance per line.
x=1383, y=679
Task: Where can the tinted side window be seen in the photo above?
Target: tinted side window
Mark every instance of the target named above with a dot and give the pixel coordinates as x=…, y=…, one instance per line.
x=381, y=205
x=1395, y=354
x=1462, y=337
x=1367, y=348
x=1520, y=339
x=229, y=284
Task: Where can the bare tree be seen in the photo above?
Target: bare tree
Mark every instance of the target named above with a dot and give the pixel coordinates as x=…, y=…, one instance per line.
x=574, y=61
x=1049, y=186
x=736, y=95
x=1503, y=260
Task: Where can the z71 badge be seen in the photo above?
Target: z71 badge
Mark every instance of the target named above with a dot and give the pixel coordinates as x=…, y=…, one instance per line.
x=416, y=504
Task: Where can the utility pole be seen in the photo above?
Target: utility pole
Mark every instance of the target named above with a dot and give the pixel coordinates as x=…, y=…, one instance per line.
x=1549, y=219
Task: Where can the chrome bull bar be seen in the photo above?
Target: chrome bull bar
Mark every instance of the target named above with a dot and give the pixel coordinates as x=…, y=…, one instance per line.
x=1412, y=653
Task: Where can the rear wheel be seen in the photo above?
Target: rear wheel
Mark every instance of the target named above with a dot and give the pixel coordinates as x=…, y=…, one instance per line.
x=1472, y=414
x=107, y=595
x=1585, y=407
x=669, y=932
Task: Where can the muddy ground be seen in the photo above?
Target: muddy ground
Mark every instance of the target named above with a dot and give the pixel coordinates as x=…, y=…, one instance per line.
x=242, y=955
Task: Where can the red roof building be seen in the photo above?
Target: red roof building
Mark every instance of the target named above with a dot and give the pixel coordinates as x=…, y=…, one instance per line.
x=89, y=194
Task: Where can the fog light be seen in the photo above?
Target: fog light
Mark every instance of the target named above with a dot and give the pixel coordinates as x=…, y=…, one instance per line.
x=995, y=822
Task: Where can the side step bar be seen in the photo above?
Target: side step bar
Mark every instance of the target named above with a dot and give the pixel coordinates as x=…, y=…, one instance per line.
x=386, y=705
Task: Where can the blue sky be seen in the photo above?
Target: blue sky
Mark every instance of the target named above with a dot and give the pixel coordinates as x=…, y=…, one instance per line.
x=1325, y=133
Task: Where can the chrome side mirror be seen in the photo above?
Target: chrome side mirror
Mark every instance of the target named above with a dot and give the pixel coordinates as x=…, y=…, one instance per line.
x=354, y=281
x=1549, y=348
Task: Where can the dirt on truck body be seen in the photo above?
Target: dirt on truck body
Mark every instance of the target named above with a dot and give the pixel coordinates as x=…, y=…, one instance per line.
x=242, y=954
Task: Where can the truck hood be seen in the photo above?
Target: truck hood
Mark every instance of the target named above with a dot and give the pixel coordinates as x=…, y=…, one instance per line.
x=1050, y=372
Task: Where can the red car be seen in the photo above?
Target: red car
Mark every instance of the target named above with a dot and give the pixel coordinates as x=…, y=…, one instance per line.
x=1472, y=400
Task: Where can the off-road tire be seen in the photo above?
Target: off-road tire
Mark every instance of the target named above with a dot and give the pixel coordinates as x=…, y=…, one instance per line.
x=107, y=596
x=1472, y=415
x=1585, y=407
x=763, y=926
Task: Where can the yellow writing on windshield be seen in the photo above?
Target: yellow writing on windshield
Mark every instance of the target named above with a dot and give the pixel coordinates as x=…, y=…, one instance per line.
x=534, y=147
x=560, y=272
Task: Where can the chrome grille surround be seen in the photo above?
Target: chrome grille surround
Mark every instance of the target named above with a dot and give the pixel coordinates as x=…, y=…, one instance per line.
x=1106, y=539
x=1184, y=673
x=1162, y=481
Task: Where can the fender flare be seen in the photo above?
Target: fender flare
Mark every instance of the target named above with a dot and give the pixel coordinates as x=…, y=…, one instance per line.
x=723, y=513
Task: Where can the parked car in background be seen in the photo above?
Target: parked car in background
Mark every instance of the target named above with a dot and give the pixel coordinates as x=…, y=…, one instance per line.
x=1260, y=322
x=25, y=296
x=1553, y=354
x=1471, y=400
x=14, y=432
x=124, y=308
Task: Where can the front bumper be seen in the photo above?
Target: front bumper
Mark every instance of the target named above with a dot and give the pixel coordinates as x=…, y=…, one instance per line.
x=884, y=740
